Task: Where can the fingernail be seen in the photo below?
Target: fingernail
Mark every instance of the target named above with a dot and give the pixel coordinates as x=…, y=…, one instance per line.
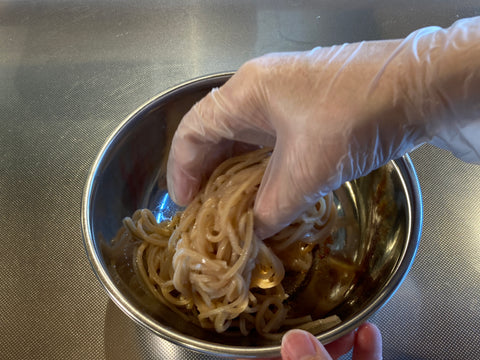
x=298, y=345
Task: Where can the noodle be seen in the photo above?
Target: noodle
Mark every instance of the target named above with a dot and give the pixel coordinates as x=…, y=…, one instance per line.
x=208, y=265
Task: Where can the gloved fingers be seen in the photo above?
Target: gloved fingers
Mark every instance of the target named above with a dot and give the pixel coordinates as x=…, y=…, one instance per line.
x=368, y=343
x=188, y=163
x=296, y=177
x=279, y=201
x=210, y=132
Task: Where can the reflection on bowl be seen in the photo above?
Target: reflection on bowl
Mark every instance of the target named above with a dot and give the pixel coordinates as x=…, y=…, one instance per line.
x=381, y=217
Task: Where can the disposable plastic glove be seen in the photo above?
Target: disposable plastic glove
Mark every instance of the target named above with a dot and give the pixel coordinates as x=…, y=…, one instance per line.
x=334, y=114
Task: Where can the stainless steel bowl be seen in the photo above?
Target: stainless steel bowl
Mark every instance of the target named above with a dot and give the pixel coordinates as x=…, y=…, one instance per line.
x=383, y=212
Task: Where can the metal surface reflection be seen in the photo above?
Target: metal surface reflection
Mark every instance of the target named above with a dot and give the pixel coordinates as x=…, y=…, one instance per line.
x=126, y=340
x=71, y=71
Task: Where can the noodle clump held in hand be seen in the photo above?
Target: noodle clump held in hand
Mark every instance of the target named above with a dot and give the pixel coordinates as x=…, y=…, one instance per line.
x=208, y=265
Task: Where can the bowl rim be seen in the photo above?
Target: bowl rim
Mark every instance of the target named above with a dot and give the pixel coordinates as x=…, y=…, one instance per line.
x=410, y=182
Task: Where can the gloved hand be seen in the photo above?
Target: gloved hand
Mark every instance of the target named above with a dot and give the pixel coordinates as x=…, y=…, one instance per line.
x=334, y=114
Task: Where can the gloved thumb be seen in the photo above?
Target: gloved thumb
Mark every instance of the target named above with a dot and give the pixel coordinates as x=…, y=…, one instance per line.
x=286, y=191
x=301, y=345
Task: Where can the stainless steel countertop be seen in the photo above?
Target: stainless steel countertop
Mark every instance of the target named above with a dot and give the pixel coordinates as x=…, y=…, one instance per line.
x=71, y=71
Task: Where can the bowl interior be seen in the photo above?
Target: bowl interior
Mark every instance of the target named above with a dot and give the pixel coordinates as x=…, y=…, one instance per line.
x=378, y=230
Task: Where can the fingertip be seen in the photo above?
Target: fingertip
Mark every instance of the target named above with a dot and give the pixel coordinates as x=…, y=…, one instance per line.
x=271, y=213
x=179, y=189
x=279, y=200
x=263, y=228
x=368, y=343
x=170, y=178
x=369, y=332
x=341, y=346
x=181, y=185
x=299, y=344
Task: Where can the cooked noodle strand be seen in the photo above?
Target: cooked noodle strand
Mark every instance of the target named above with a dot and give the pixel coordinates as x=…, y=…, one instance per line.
x=209, y=265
